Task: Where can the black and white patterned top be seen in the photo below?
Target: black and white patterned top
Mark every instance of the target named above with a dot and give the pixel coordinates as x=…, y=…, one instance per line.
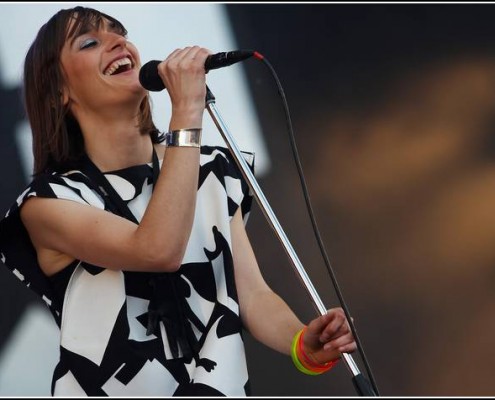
x=144, y=334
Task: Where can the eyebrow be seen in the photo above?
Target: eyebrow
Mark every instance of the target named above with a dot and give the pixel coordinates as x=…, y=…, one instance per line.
x=95, y=24
x=80, y=29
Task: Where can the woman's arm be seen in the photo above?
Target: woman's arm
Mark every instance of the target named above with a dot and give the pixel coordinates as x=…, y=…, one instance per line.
x=270, y=320
x=63, y=230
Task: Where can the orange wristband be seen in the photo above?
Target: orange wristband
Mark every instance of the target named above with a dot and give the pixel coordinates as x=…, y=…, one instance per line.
x=308, y=362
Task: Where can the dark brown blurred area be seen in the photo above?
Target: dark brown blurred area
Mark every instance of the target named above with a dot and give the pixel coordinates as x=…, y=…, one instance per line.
x=393, y=108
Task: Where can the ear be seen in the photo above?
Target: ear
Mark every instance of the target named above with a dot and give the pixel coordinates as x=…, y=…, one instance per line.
x=64, y=95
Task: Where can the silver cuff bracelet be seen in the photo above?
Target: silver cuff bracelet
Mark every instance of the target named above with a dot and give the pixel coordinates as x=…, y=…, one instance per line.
x=184, y=138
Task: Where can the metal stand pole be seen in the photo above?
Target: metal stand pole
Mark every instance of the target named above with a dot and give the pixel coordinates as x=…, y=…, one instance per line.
x=363, y=388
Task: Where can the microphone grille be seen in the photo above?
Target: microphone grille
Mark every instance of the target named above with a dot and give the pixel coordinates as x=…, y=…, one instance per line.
x=149, y=78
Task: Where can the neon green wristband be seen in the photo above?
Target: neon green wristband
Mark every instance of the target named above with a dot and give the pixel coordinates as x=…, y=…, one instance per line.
x=295, y=358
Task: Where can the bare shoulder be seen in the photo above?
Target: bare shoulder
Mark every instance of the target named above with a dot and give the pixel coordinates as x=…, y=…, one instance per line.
x=39, y=211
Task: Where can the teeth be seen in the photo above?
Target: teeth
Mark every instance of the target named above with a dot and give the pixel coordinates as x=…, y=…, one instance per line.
x=116, y=64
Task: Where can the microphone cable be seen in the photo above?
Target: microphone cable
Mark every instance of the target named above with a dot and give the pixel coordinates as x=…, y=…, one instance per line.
x=313, y=220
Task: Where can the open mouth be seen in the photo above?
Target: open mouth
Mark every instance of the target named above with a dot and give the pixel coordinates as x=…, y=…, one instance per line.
x=118, y=66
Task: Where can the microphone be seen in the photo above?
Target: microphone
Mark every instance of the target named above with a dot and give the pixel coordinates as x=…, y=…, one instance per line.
x=150, y=80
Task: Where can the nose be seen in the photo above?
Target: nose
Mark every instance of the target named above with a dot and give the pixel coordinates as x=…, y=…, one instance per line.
x=116, y=41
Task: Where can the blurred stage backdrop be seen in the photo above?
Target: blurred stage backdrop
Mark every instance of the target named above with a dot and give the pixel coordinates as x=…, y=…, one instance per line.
x=393, y=107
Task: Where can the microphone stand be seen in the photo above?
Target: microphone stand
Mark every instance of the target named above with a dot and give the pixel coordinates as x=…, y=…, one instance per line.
x=360, y=383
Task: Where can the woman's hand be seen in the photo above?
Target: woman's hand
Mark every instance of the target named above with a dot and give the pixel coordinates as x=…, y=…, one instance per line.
x=183, y=73
x=328, y=336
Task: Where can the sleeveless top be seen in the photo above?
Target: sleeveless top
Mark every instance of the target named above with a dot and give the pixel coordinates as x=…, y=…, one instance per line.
x=126, y=333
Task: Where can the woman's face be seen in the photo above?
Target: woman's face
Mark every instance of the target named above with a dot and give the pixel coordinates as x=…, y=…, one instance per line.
x=101, y=69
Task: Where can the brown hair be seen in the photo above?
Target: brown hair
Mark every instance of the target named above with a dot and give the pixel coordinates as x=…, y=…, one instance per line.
x=58, y=143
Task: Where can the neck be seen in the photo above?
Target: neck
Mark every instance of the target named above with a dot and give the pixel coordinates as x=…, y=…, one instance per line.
x=118, y=144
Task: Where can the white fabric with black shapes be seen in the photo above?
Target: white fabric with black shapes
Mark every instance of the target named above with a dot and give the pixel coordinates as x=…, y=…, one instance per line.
x=120, y=337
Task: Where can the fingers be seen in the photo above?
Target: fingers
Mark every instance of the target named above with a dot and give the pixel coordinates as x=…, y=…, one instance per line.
x=337, y=327
x=344, y=343
x=327, y=325
x=187, y=62
x=183, y=73
x=332, y=331
x=188, y=57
